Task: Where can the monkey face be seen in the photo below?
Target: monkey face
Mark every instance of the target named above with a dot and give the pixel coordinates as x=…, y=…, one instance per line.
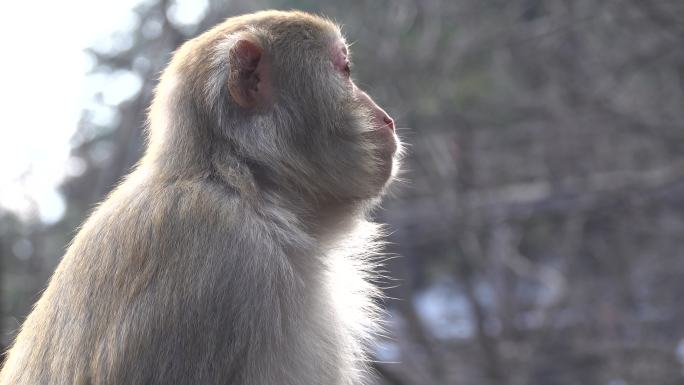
x=370, y=129
x=339, y=129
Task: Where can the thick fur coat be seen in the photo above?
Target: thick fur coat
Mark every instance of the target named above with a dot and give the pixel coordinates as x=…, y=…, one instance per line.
x=237, y=251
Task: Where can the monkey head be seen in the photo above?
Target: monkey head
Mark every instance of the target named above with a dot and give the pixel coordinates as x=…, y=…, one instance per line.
x=274, y=90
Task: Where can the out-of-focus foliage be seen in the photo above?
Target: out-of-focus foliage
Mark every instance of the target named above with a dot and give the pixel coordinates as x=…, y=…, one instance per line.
x=541, y=224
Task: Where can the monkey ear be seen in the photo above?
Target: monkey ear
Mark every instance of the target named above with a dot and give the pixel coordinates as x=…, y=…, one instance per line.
x=249, y=82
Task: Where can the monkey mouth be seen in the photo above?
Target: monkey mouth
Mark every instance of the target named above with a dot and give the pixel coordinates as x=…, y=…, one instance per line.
x=386, y=151
x=384, y=141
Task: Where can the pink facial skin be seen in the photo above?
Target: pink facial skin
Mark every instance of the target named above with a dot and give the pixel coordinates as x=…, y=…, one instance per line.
x=381, y=120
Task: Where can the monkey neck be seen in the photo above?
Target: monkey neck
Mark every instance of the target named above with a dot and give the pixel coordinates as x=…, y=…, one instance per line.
x=180, y=142
x=260, y=186
x=321, y=219
x=338, y=218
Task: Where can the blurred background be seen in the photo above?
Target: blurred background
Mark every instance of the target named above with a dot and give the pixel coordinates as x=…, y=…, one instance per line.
x=541, y=224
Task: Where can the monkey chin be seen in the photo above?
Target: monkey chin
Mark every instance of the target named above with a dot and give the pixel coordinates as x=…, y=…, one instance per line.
x=387, y=155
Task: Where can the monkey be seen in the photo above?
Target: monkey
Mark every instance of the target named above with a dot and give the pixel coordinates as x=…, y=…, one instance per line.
x=238, y=250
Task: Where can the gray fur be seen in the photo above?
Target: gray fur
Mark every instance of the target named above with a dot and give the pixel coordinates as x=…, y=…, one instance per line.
x=237, y=252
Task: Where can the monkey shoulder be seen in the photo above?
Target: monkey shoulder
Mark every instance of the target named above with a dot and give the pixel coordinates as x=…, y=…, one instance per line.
x=185, y=269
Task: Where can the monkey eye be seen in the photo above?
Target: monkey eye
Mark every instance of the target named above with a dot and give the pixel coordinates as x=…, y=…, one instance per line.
x=347, y=69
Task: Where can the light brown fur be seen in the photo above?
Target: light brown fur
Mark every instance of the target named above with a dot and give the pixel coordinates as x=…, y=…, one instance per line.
x=237, y=251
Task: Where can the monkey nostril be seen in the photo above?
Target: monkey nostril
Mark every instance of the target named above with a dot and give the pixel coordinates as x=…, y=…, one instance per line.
x=389, y=122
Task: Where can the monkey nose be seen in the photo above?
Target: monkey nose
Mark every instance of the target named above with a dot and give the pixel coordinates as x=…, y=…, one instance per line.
x=388, y=122
x=379, y=117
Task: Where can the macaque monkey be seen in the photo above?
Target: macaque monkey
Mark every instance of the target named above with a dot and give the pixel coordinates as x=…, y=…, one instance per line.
x=237, y=251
